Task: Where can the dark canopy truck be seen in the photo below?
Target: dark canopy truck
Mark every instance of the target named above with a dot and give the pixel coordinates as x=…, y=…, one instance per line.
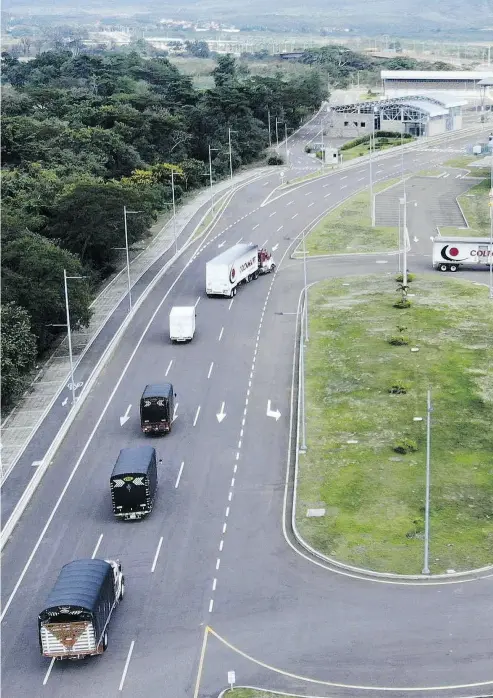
x=157, y=406
x=74, y=622
x=133, y=482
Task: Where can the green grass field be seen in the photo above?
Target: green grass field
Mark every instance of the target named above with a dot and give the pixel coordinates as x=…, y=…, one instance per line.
x=252, y=693
x=347, y=229
x=475, y=206
x=374, y=497
x=364, y=149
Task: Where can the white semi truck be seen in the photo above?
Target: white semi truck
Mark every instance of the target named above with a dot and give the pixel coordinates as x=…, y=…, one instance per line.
x=449, y=254
x=74, y=622
x=241, y=263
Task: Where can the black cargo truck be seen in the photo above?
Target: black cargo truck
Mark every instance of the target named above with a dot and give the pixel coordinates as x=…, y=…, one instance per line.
x=133, y=482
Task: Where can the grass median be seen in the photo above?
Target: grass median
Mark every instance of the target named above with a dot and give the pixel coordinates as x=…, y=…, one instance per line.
x=374, y=496
x=253, y=693
x=348, y=228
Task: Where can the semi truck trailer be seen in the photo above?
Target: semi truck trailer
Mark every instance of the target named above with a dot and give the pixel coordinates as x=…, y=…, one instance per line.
x=449, y=254
x=242, y=263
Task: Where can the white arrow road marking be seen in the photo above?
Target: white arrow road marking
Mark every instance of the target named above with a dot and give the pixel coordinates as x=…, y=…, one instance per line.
x=221, y=414
x=65, y=402
x=415, y=239
x=270, y=413
x=125, y=417
x=174, y=412
x=275, y=247
x=221, y=244
x=381, y=261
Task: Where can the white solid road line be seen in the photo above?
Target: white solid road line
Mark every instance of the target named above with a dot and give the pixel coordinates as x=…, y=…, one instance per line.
x=197, y=301
x=210, y=369
x=86, y=446
x=196, y=416
x=47, y=675
x=220, y=334
x=159, y=547
x=97, y=547
x=126, y=665
x=179, y=475
x=169, y=366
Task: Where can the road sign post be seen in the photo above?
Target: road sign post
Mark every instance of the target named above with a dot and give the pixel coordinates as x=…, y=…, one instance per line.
x=231, y=679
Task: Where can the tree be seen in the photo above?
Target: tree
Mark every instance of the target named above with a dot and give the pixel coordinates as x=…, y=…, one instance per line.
x=33, y=278
x=88, y=221
x=225, y=71
x=199, y=49
x=18, y=351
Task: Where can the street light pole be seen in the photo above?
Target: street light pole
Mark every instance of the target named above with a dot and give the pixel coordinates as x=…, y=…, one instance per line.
x=286, y=138
x=210, y=178
x=277, y=133
x=426, y=569
x=128, y=261
x=491, y=227
x=174, y=209
x=306, y=289
x=302, y=386
x=403, y=201
x=69, y=331
x=323, y=148
x=268, y=122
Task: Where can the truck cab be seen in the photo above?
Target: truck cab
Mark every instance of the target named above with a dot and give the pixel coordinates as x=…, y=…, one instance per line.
x=265, y=262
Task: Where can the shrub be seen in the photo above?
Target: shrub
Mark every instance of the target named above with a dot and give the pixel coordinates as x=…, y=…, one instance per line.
x=308, y=149
x=398, y=389
x=405, y=445
x=275, y=160
x=402, y=303
x=398, y=340
x=400, y=277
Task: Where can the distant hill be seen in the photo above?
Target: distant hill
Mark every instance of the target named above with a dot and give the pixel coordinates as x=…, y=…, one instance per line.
x=385, y=16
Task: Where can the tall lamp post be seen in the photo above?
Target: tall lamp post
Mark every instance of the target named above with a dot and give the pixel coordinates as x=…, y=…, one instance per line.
x=372, y=146
x=426, y=569
x=268, y=124
x=231, y=154
x=174, y=209
x=69, y=331
x=277, y=132
x=125, y=213
x=210, y=178
x=491, y=228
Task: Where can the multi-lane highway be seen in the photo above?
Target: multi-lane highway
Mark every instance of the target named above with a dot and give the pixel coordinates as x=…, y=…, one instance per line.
x=213, y=552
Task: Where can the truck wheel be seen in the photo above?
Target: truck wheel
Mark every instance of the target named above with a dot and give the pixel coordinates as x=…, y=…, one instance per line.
x=233, y=293
x=249, y=278
x=443, y=267
x=453, y=267
x=122, y=589
x=105, y=642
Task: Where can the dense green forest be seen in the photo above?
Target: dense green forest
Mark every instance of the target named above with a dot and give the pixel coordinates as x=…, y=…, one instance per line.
x=82, y=137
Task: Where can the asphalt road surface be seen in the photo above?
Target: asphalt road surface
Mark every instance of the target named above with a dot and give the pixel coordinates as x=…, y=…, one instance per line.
x=223, y=560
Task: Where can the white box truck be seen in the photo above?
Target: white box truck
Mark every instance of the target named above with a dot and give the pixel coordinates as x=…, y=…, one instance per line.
x=182, y=323
x=241, y=263
x=451, y=253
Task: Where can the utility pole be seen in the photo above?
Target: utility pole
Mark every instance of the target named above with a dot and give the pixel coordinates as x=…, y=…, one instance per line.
x=230, y=154
x=306, y=287
x=277, y=133
x=426, y=569
x=403, y=201
x=286, y=139
x=302, y=386
x=210, y=179
x=69, y=331
x=270, y=134
x=491, y=227
x=174, y=209
x=372, y=138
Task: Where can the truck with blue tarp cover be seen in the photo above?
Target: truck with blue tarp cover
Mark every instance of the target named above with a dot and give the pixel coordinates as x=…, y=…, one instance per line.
x=74, y=622
x=133, y=482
